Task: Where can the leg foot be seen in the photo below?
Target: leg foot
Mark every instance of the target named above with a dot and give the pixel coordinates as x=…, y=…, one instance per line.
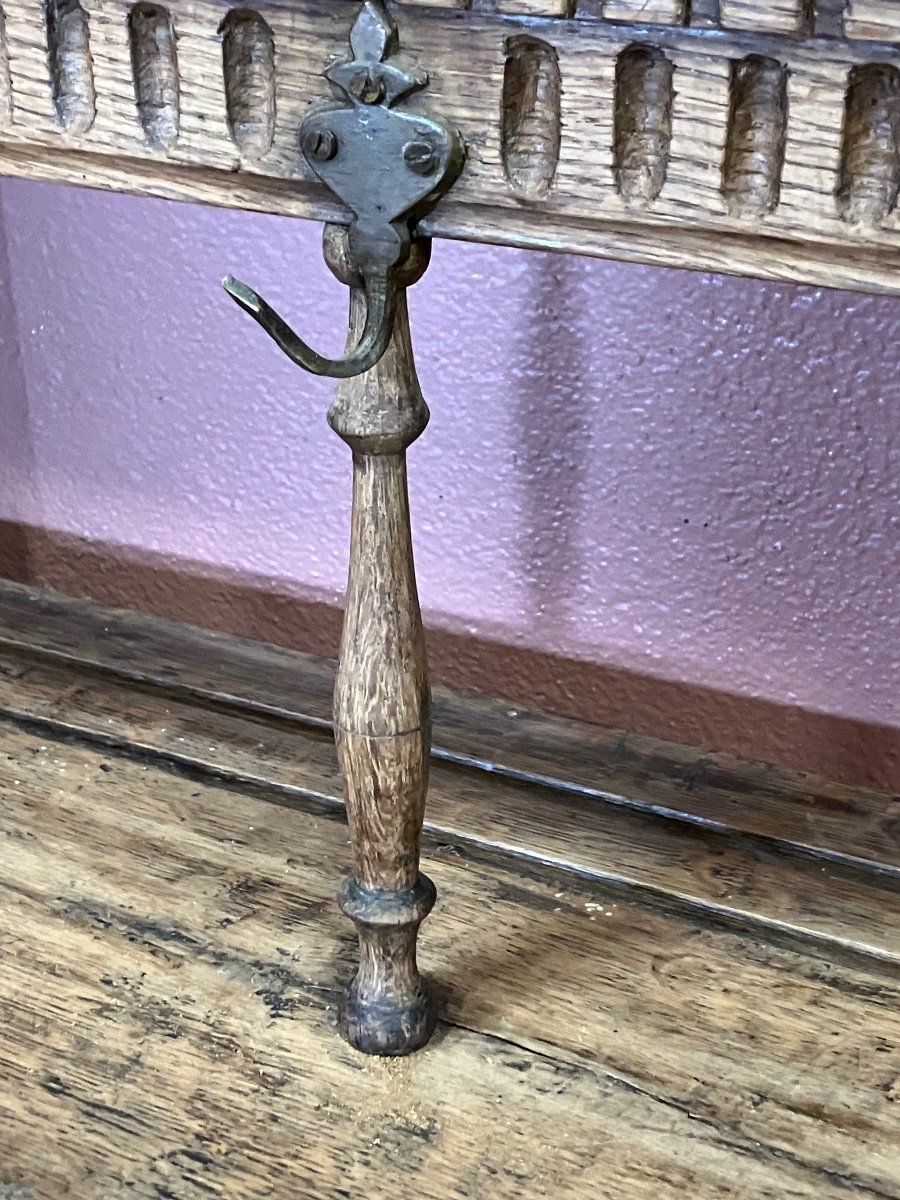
x=388, y=1008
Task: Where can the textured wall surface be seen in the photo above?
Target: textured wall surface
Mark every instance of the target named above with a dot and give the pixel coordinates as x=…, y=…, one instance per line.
x=652, y=498
x=17, y=471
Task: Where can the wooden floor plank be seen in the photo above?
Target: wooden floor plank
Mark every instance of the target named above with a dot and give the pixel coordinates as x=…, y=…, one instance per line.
x=198, y=1090
x=141, y=647
x=186, y=1098
x=168, y=959
x=745, y=879
x=715, y=789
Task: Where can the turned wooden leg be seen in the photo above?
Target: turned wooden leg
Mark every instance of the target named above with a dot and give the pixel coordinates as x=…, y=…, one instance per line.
x=382, y=700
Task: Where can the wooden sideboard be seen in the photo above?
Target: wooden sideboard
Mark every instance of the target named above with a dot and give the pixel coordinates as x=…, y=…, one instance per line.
x=753, y=136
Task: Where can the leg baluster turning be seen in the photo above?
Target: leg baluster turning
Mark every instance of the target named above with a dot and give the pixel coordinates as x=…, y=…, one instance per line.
x=381, y=706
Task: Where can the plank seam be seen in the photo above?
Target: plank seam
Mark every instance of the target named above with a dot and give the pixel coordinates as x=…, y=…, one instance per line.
x=509, y=856
x=232, y=704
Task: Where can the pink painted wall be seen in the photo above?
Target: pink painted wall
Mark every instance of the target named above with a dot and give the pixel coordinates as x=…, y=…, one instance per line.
x=17, y=468
x=652, y=498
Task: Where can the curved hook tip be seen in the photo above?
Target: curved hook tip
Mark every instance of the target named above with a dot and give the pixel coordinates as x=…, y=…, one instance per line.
x=249, y=300
x=381, y=304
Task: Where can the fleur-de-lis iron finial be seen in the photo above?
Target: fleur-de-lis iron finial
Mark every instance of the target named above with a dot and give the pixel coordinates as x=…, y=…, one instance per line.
x=389, y=167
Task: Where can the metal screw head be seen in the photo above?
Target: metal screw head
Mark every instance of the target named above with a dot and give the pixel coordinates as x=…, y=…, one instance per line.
x=320, y=144
x=420, y=157
x=367, y=87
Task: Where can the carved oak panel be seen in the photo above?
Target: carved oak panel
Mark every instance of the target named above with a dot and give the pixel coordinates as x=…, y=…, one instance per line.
x=753, y=136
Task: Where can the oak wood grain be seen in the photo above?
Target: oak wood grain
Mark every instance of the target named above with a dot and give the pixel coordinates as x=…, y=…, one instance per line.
x=878, y=20
x=719, y=872
x=204, y=155
x=771, y=16
x=167, y=1012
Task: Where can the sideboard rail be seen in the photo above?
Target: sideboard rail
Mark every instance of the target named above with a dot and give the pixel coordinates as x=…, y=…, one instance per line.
x=757, y=137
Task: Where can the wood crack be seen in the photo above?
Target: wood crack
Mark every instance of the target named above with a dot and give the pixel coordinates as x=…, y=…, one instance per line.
x=727, y=1135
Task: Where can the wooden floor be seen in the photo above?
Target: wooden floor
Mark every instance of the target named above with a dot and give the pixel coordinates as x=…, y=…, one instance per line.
x=663, y=975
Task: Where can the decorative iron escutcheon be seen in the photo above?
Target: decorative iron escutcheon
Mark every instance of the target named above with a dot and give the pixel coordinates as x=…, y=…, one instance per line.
x=389, y=167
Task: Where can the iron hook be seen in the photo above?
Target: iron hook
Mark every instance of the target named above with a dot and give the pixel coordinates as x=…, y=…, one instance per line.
x=381, y=307
x=387, y=166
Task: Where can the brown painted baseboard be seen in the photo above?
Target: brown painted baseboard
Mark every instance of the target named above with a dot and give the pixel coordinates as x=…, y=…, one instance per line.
x=836, y=748
x=44, y=635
